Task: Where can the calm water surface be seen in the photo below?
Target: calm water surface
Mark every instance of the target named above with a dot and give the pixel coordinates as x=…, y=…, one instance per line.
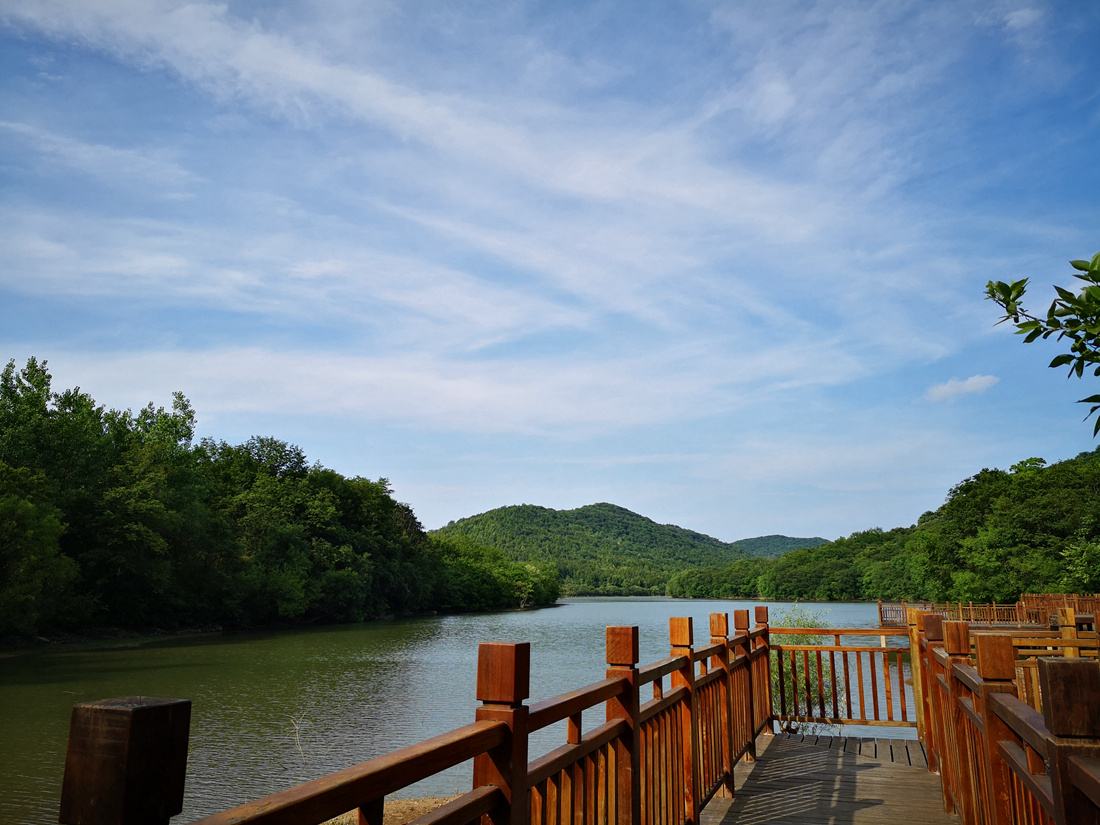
x=270, y=710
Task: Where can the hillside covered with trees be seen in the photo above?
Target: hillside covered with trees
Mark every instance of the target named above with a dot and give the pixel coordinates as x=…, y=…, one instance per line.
x=112, y=518
x=1032, y=528
x=605, y=549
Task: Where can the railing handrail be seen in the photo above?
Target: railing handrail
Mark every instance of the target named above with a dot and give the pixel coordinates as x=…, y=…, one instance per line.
x=548, y=711
x=342, y=791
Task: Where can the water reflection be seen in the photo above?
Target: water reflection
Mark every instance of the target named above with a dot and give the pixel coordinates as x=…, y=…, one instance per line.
x=272, y=709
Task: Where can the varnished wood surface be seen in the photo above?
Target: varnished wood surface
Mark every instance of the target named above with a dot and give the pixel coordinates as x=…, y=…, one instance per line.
x=824, y=781
x=902, y=751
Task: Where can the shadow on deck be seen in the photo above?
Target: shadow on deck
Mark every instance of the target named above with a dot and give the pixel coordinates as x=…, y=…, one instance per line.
x=796, y=781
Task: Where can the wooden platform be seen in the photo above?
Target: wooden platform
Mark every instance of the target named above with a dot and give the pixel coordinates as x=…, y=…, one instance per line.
x=903, y=751
x=812, y=783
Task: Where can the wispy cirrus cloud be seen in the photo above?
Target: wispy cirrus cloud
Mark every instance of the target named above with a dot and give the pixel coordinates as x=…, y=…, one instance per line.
x=508, y=223
x=110, y=164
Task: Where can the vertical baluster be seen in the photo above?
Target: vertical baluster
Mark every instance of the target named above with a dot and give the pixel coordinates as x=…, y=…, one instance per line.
x=874, y=682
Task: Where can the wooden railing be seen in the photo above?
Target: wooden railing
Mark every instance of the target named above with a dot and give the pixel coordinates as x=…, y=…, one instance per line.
x=656, y=762
x=836, y=683
x=1051, y=602
x=894, y=614
x=1032, y=608
x=1000, y=760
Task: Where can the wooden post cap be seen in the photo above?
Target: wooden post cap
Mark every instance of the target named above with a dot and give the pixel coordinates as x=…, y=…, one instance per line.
x=680, y=631
x=956, y=638
x=933, y=627
x=503, y=672
x=996, y=657
x=719, y=625
x=1071, y=696
x=741, y=619
x=622, y=646
x=126, y=761
x=761, y=614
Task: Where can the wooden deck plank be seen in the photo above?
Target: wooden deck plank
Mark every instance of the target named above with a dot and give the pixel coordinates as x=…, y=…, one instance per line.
x=811, y=784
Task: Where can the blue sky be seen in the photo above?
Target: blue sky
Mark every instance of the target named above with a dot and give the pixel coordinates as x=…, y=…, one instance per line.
x=722, y=264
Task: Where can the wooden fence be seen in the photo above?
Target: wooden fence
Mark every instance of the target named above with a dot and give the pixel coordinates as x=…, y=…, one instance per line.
x=1009, y=716
x=656, y=761
x=1032, y=608
x=860, y=683
x=894, y=614
x=1001, y=760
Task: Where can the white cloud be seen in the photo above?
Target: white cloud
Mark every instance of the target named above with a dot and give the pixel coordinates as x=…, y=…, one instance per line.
x=955, y=387
x=552, y=395
x=115, y=165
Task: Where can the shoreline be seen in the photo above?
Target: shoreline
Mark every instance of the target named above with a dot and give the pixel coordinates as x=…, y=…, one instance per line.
x=398, y=811
x=113, y=638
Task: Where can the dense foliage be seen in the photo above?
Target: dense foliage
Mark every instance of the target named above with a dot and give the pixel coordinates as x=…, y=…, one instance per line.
x=1031, y=529
x=120, y=519
x=605, y=549
x=1072, y=317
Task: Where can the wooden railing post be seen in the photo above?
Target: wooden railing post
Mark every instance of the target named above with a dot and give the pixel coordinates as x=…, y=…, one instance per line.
x=933, y=730
x=126, y=762
x=997, y=668
x=956, y=644
x=719, y=634
x=503, y=683
x=741, y=635
x=1067, y=628
x=1071, y=710
x=622, y=662
x=764, y=692
x=915, y=669
x=681, y=639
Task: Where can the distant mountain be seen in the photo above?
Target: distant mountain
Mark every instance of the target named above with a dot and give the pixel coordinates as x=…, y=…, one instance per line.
x=603, y=549
x=775, y=545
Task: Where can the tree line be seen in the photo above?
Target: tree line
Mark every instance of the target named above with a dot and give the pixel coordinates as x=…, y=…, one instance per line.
x=121, y=519
x=1000, y=533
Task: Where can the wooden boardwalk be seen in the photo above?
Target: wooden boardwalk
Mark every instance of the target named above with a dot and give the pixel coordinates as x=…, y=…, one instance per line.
x=807, y=783
x=903, y=751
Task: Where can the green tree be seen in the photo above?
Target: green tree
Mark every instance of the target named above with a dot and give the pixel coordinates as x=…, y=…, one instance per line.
x=33, y=574
x=1073, y=317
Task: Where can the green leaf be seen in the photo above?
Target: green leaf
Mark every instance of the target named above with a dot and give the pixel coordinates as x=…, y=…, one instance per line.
x=1031, y=336
x=1092, y=399
x=1096, y=429
x=1079, y=264
x=1061, y=360
x=1066, y=294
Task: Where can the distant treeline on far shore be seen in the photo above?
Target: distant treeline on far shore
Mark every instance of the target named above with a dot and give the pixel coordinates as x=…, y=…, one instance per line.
x=121, y=519
x=1034, y=528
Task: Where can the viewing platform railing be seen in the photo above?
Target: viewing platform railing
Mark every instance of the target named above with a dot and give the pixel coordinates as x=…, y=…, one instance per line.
x=1006, y=755
x=653, y=761
x=1009, y=717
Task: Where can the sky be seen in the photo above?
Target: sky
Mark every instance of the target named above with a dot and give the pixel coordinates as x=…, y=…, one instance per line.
x=720, y=263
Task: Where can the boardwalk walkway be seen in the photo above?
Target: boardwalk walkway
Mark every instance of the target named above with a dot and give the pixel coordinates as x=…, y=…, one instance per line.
x=807, y=783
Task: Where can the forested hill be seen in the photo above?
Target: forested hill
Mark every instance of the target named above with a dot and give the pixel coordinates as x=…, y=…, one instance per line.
x=774, y=545
x=607, y=549
x=1031, y=528
x=120, y=519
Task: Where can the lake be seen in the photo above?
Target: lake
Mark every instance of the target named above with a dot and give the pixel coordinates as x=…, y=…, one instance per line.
x=273, y=709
